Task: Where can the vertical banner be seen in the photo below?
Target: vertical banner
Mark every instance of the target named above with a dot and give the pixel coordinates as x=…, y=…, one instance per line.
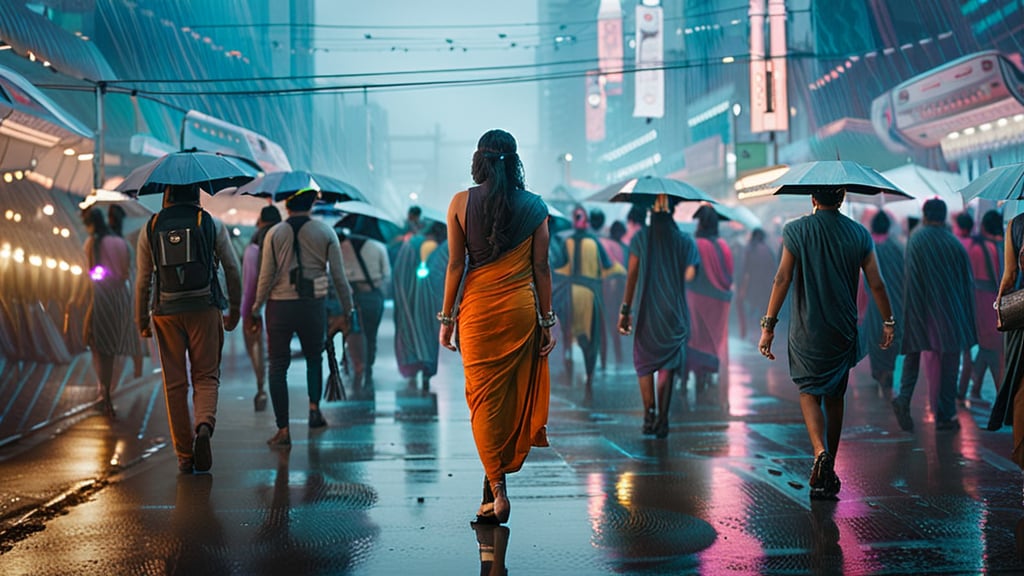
x=769, y=97
x=596, y=106
x=777, y=66
x=758, y=67
x=609, y=45
x=650, y=78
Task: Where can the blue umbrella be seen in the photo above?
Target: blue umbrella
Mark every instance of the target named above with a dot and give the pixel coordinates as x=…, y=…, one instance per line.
x=281, y=185
x=210, y=171
x=856, y=178
x=1000, y=183
x=647, y=189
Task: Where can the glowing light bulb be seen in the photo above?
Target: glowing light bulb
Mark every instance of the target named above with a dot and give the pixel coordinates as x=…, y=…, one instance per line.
x=98, y=273
x=422, y=271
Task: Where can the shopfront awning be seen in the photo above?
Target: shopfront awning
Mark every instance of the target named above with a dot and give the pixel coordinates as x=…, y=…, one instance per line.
x=30, y=33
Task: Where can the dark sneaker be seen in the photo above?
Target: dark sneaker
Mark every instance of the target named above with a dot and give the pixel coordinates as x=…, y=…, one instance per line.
x=185, y=465
x=947, y=425
x=201, y=449
x=316, y=419
x=902, y=412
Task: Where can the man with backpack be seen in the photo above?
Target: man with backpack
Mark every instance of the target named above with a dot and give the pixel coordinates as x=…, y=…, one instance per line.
x=177, y=257
x=297, y=256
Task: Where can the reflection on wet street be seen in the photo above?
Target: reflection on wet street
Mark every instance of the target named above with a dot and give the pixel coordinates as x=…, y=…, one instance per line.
x=394, y=482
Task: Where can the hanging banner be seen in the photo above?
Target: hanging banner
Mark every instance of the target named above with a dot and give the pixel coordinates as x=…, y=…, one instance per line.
x=650, y=78
x=769, y=101
x=609, y=45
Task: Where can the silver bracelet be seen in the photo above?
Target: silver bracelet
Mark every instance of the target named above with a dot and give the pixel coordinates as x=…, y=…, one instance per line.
x=548, y=320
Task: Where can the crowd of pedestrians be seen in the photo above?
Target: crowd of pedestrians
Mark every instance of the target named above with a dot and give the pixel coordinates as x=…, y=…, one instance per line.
x=497, y=281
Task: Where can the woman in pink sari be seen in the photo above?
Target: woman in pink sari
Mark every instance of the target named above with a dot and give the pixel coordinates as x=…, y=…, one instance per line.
x=709, y=296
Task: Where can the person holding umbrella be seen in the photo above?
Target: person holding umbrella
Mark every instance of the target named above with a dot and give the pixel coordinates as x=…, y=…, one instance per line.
x=824, y=253
x=180, y=249
x=297, y=257
x=661, y=261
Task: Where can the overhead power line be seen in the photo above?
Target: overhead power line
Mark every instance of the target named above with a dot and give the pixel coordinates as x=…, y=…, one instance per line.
x=338, y=88
x=582, y=62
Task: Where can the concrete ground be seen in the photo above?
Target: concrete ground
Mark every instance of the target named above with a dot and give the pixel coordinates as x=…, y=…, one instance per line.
x=391, y=485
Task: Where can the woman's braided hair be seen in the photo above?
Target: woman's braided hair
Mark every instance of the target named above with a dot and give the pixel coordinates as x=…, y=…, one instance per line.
x=496, y=164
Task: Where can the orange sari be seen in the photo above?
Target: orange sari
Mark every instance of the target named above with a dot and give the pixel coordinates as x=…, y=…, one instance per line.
x=507, y=381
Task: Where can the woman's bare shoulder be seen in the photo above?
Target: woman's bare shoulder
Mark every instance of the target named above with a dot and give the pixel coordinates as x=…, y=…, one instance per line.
x=458, y=204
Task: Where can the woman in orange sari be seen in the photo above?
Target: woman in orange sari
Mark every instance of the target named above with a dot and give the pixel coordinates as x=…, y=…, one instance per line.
x=498, y=237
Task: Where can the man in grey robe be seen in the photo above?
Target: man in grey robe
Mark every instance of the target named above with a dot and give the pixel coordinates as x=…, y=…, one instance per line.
x=938, y=316
x=823, y=255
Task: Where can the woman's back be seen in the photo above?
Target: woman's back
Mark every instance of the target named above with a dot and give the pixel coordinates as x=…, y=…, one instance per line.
x=527, y=211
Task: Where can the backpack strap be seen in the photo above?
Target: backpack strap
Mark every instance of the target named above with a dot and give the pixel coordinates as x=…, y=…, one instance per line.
x=152, y=255
x=357, y=248
x=296, y=225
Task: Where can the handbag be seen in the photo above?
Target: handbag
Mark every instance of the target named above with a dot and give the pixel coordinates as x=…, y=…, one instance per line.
x=1010, y=309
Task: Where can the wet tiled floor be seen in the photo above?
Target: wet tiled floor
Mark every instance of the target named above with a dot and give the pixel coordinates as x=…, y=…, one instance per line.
x=391, y=485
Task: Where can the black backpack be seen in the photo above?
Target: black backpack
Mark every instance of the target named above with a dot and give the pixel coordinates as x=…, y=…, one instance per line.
x=183, y=240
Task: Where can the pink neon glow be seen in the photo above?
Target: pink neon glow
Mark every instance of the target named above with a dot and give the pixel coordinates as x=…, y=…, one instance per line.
x=98, y=273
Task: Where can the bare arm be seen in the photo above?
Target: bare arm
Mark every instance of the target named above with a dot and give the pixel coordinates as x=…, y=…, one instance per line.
x=456, y=251
x=632, y=275
x=691, y=273
x=542, y=282
x=541, y=267
x=783, y=278
x=456, y=267
x=1009, y=264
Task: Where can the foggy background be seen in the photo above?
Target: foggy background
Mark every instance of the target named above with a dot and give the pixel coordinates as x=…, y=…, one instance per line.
x=455, y=115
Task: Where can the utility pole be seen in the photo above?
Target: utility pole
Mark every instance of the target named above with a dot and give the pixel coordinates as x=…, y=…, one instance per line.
x=98, y=172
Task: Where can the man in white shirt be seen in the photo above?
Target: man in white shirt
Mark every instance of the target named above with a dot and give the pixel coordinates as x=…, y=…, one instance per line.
x=369, y=271
x=298, y=257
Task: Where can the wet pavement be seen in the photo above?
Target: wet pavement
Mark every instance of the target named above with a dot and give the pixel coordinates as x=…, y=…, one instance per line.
x=391, y=485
